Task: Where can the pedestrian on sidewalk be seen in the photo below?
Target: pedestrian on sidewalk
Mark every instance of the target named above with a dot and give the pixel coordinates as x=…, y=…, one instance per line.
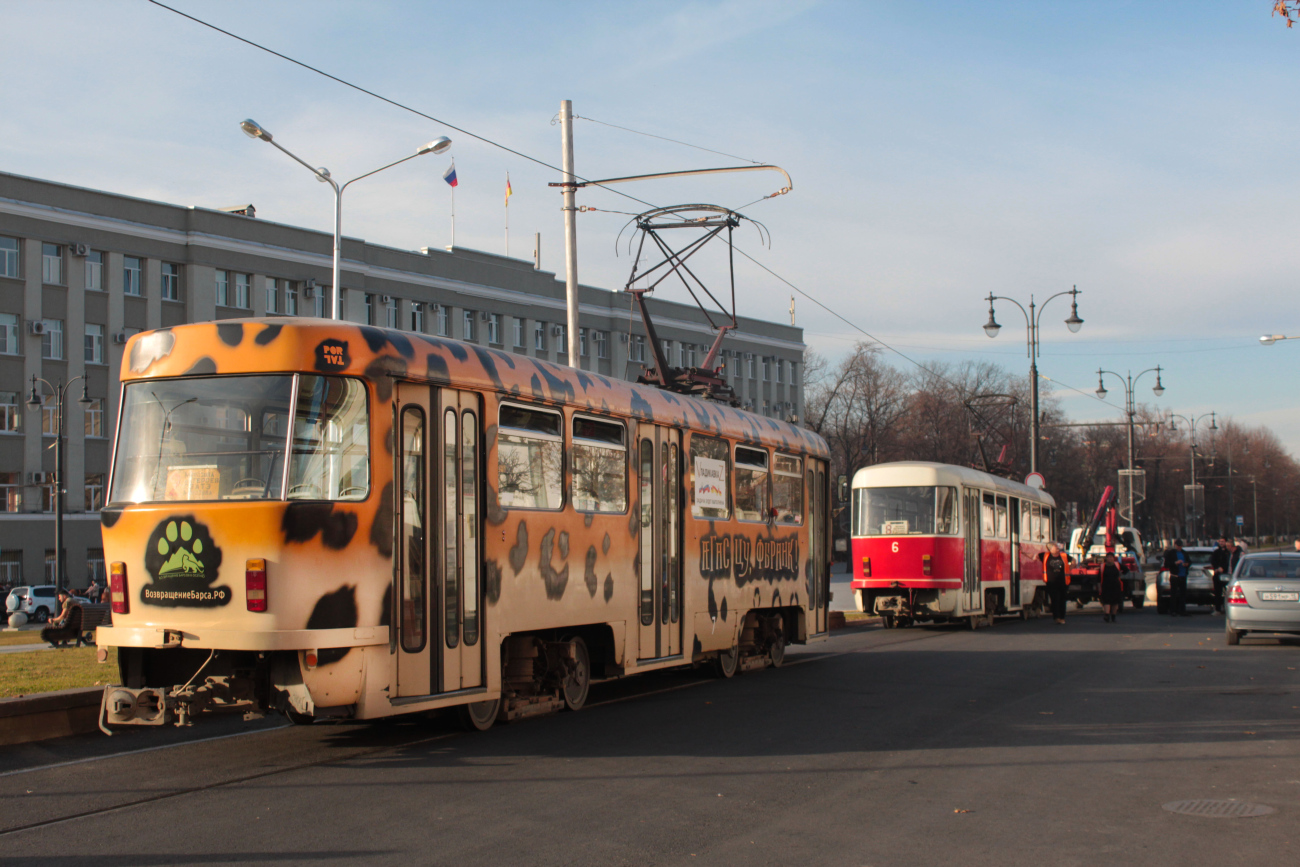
x=1056, y=572
x=1220, y=566
x=1112, y=588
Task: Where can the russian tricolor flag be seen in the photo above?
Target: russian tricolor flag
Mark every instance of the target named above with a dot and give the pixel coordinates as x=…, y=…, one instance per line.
x=450, y=176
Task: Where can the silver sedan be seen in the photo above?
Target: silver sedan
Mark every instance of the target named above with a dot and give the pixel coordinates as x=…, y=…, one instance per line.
x=1263, y=596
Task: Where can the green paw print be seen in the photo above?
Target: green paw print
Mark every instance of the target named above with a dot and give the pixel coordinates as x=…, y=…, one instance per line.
x=185, y=532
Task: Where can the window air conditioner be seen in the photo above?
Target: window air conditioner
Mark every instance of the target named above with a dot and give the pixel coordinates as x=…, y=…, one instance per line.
x=39, y=478
x=79, y=249
x=557, y=330
x=120, y=337
x=36, y=326
x=309, y=288
x=387, y=299
x=622, y=337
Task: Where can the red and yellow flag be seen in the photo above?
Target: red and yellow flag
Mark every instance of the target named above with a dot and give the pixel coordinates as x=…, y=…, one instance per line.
x=509, y=192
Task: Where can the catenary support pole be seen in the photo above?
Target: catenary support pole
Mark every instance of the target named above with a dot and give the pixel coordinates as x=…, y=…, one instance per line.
x=570, y=232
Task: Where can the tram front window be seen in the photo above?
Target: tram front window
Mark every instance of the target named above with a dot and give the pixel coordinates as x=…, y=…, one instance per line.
x=904, y=511
x=225, y=438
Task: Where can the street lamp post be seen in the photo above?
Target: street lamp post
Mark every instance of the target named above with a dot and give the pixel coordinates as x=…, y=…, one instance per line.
x=34, y=401
x=1192, y=421
x=1032, y=319
x=254, y=130
x=1130, y=408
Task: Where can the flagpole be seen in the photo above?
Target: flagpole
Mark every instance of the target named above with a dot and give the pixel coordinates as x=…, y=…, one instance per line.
x=507, y=215
x=453, y=217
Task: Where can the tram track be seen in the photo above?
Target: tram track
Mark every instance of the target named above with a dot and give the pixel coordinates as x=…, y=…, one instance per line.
x=884, y=640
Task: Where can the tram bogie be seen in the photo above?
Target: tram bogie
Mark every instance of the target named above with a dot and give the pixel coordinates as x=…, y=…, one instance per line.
x=335, y=521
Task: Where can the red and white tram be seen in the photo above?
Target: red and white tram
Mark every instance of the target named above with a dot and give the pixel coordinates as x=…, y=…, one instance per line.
x=944, y=543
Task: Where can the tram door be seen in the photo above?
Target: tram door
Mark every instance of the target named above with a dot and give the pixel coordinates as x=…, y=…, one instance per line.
x=658, y=457
x=970, y=521
x=438, y=593
x=1014, y=565
x=818, y=550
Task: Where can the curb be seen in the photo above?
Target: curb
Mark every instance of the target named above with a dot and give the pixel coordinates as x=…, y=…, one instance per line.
x=49, y=715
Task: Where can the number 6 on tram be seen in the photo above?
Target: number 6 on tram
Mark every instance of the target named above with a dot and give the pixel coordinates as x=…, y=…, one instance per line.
x=943, y=543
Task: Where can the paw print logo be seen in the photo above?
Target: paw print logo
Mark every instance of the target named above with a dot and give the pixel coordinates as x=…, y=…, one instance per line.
x=184, y=563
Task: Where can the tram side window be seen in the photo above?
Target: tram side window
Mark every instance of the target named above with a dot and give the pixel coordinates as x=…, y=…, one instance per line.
x=751, y=484
x=1049, y=532
x=1003, y=527
x=989, y=515
x=530, y=457
x=787, y=488
x=1036, y=522
x=710, y=478
x=331, y=440
x=1026, y=521
x=945, y=511
x=599, y=465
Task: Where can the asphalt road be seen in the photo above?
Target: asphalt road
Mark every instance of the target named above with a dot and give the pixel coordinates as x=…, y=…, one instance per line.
x=1024, y=743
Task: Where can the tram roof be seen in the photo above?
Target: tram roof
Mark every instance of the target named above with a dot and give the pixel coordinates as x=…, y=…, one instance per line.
x=917, y=473
x=286, y=345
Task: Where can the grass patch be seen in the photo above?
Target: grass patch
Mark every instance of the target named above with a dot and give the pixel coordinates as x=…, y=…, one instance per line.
x=27, y=636
x=51, y=670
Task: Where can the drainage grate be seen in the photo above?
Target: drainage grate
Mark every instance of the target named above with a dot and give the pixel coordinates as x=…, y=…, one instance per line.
x=1211, y=809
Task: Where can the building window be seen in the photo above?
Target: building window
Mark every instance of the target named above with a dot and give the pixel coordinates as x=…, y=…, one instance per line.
x=780, y=370
x=11, y=417
x=8, y=334
x=636, y=351
x=131, y=271
x=444, y=321
x=244, y=291
x=8, y=257
x=272, y=296
x=767, y=369
x=171, y=282
x=539, y=336
x=223, y=288
x=690, y=355
x=390, y=308
x=95, y=575
x=95, y=271
x=11, y=500
x=49, y=564
x=52, y=264
x=49, y=415
x=290, y=297
x=95, y=417
x=319, y=297
x=417, y=317
x=750, y=362
x=94, y=492
x=562, y=339
x=494, y=329
x=519, y=333
x=582, y=342
x=94, y=344
x=468, y=333
x=52, y=339
x=602, y=344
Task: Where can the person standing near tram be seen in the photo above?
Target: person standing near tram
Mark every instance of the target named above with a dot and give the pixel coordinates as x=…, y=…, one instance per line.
x=1056, y=572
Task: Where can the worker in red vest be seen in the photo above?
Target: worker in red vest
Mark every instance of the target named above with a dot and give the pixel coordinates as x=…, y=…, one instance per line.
x=1056, y=572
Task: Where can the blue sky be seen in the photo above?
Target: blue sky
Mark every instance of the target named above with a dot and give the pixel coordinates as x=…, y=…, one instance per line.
x=1141, y=150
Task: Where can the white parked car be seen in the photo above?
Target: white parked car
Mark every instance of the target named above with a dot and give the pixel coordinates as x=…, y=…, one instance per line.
x=38, y=603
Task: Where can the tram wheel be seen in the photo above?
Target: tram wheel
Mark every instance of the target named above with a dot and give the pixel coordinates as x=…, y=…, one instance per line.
x=973, y=622
x=776, y=651
x=887, y=620
x=578, y=682
x=726, y=663
x=479, y=715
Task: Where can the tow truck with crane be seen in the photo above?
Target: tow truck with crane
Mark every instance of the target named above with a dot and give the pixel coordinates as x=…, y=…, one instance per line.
x=1086, y=562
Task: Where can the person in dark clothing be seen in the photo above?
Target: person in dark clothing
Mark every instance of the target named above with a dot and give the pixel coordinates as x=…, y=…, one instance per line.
x=66, y=626
x=1176, y=563
x=1112, y=588
x=1056, y=572
x=1237, y=551
x=1220, y=566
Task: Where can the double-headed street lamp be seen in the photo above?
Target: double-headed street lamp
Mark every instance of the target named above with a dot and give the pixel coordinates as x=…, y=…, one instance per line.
x=254, y=130
x=34, y=401
x=1192, y=422
x=1130, y=408
x=991, y=328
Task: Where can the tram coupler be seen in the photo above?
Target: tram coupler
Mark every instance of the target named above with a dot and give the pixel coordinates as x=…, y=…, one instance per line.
x=156, y=706
x=895, y=606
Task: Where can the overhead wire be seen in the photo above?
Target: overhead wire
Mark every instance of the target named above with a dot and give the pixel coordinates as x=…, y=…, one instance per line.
x=547, y=165
x=665, y=138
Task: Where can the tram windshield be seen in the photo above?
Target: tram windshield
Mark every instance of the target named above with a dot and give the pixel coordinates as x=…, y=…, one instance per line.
x=904, y=511
x=226, y=438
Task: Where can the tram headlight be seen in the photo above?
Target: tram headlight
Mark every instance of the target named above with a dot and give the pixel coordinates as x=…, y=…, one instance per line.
x=255, y=584
x=117, y=588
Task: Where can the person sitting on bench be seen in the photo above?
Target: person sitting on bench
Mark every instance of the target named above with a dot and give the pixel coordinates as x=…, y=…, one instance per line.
x=67, y=625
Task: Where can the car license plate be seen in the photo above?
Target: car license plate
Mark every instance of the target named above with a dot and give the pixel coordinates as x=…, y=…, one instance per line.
x=1272, y=596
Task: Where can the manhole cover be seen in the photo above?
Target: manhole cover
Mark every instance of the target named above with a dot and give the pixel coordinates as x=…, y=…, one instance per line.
x=1212, y=809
